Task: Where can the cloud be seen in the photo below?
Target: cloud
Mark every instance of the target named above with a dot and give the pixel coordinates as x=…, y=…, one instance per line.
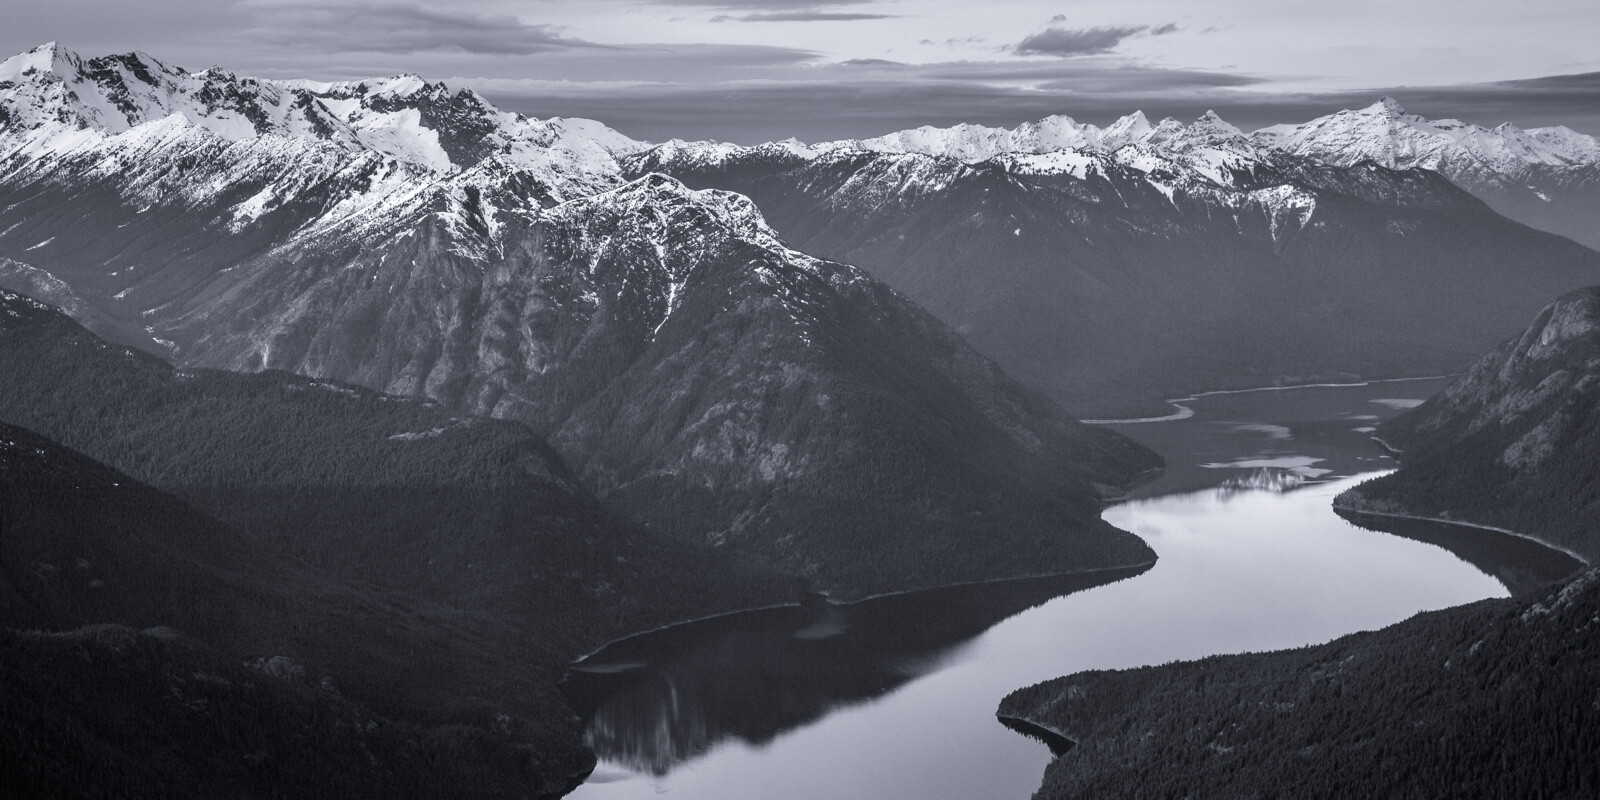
x=1085, y=75
x=807, y=15
x=1085, y=41
x=768, y=5
x=1077, y=41
x=868, y=97
x=395, y=28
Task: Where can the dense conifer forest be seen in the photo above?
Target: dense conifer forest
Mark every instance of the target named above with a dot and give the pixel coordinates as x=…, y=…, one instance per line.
x=1495, y=700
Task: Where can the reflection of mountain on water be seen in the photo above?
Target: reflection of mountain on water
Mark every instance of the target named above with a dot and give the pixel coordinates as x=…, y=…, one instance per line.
x=659, y=699
x=1523, y=566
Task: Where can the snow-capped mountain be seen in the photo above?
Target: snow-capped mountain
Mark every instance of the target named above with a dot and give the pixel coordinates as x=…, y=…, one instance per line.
x=133, y=182
x=702, y=377
x=1190, y=256
x=48, y=92
x=1548, y=178
x=699, y=374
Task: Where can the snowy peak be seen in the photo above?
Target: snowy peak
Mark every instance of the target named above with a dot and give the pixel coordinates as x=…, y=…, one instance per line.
x=40, y=59
x=669, y=206
x=1214, y=127
x=1127, y=130
x=1386, y=106
x=1209, y=150
x=403, y=117
x=1386, y=134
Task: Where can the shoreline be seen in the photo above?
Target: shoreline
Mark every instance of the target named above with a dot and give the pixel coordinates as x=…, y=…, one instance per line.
x=1184, y=412
x=1037, y=730
x=1142, y=565
x=898, y=592
x=1479, y=526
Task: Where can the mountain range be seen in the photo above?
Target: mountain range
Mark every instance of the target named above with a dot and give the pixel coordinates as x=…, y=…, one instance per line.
x=395, y=403
x=142, y=196
x=702, y=377
x=1190, y=257
x=1547, y=178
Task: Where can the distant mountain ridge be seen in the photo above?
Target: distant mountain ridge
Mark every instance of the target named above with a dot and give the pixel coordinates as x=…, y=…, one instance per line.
x=1190, y=259
x=1547, y=178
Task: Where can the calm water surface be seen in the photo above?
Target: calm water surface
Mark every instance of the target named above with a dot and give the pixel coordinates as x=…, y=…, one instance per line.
x=895, y=698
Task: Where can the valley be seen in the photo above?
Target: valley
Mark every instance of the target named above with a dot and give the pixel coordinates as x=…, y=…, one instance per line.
x=896, y=697
x=360, y=437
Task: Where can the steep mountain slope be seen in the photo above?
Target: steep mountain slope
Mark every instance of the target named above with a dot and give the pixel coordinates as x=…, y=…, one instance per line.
x=1514, y=442
x=1188, y=259
x=1490, y=700
x=383, y=490
x=301, y=675
x=1546, y=178
x=700, y=375
x=135, y=182
x=705, y=379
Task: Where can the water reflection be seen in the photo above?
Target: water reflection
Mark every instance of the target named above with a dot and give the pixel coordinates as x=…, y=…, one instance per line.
x=1523, y=566
x=1315, y=433
x=657, y=700
x=895, y=699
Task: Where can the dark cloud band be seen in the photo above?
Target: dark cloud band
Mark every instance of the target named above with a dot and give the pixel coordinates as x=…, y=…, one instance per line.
x=397, y=28
x=1076, y=42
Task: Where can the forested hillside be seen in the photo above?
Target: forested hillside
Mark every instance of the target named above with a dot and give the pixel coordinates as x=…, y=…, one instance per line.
x=1495, y=700
x=437, y=569
x=254, y=674
x=1514, y=442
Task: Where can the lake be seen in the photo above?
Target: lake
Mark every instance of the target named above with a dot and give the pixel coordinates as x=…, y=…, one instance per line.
x=895, y=697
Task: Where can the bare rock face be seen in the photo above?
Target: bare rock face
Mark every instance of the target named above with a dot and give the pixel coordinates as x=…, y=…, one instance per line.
x=1512, y=443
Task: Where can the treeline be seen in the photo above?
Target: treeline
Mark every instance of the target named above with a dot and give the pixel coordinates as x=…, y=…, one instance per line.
x=1492, y=700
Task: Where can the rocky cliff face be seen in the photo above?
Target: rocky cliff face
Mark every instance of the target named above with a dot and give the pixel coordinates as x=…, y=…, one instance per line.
x=1512, y=443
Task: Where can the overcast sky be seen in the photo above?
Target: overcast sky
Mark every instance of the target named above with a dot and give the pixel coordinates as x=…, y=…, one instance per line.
x=754, y=70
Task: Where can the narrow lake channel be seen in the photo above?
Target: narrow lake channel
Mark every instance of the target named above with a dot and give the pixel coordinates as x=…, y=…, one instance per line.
x=895, y=698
